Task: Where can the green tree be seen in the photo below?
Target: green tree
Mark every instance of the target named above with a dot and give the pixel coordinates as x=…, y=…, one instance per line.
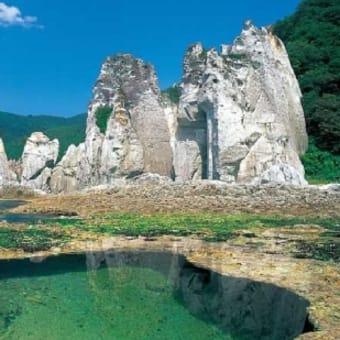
x=15, y=129
x=321, y=166
x=311, y=36
x=173, y=93
x=102, y=115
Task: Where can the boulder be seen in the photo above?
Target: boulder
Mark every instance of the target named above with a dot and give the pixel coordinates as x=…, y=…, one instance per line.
x=281, y=174
x=151, y=179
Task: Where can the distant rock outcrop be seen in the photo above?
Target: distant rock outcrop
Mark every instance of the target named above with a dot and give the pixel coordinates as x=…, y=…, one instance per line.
x=38, y=159
x=7, y=176
x=239, y=119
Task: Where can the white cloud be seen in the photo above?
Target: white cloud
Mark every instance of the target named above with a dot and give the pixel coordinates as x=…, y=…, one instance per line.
x=11, y=16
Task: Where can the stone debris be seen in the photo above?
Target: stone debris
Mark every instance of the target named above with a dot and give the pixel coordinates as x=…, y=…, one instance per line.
x=150, y=194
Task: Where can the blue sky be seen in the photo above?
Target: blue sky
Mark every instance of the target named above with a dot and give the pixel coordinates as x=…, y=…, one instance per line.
x=51, y=51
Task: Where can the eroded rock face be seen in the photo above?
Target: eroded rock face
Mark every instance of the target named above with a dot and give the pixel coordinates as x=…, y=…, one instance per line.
x=241, y=109
x=66, y=175
x=239, y=119
x=38, y=159
x=7, y=176
x=137, y=137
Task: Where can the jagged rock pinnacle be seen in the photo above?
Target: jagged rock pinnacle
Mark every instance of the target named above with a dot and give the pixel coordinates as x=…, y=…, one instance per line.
x=239, y=119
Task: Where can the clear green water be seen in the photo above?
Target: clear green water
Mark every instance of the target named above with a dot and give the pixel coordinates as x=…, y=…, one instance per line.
x=65, y=300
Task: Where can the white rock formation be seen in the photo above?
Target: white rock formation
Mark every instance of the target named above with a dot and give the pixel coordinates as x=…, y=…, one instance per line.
x=66, y=174
x=281, y=173
x=136, y=139
x=38, y=159
x=242, y=110
x=239, y=119
x=7, y=176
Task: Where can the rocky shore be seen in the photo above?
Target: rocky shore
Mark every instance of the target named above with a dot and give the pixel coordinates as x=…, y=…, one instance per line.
x=213, y=196
x=302, y=257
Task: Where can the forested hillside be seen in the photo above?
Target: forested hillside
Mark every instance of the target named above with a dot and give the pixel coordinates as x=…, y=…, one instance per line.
x=312, y=38
x=14, y=130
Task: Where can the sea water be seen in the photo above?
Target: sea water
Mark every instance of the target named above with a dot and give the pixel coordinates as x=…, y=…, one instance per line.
x=70, y=298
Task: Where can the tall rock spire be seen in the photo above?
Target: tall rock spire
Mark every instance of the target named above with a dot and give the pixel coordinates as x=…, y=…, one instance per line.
x=134, y=137
x=240, y=113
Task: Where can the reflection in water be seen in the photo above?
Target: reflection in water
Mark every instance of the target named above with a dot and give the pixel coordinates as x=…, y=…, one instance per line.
x=24, y=218
x=10, y=204
x=19, y=218
x=140, y=295
x=245, y=308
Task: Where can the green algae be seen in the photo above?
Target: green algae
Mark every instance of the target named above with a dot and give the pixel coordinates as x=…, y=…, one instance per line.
x=323, y=249
x=206, y=226
x=30, y=239
x=210, y=227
